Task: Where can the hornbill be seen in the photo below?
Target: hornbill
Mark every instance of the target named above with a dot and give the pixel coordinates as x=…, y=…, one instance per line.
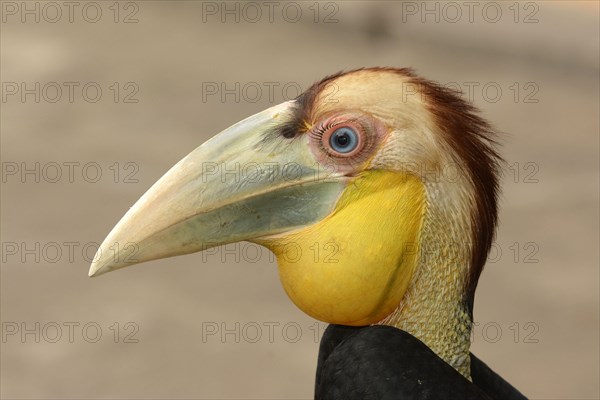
x=396, y=178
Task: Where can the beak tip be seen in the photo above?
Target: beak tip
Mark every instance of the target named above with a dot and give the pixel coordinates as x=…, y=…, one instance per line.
x=100, y=267
x=95, y=271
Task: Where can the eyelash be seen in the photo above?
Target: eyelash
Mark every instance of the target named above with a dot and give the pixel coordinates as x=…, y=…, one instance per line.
x=318, y=132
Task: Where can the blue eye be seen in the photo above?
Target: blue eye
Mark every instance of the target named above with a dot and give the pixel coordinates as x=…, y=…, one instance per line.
x=343, y=140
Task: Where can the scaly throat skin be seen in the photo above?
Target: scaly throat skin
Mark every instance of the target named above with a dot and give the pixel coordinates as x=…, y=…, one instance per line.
x=354, y=266
x=444, y=325
x=434, y=309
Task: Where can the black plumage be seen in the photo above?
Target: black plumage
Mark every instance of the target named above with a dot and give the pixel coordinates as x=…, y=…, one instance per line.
x=385, y=363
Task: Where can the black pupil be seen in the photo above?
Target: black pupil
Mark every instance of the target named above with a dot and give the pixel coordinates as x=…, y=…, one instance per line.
x=342, y=139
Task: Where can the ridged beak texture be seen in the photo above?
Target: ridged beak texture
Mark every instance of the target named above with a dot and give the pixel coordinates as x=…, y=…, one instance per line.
x=247, y=182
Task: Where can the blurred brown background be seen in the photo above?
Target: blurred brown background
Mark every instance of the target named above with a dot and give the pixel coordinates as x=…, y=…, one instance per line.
x=533, y=68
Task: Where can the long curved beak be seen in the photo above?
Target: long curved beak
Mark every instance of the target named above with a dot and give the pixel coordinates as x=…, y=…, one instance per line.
x=245, y=183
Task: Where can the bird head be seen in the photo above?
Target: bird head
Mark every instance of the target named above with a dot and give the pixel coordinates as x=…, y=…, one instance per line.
x=375, y=189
